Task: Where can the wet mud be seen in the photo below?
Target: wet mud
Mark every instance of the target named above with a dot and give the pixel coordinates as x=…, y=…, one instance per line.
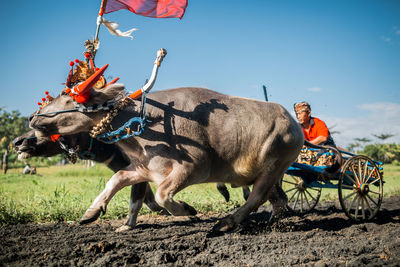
x=324, y=237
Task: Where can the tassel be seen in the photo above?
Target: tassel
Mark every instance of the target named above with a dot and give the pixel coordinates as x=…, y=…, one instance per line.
x=112, y=27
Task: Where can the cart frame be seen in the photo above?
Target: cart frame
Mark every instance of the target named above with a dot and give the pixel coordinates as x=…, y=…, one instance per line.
x=359, y=182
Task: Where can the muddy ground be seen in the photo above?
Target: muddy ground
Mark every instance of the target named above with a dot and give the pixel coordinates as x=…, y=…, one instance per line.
x=323, y=238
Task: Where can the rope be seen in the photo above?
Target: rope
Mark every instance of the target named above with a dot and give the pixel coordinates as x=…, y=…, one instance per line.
x=56, y=112
x=125, y=131
x=87, y=154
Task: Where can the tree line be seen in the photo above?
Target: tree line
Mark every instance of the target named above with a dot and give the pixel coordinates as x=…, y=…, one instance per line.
x=12, y=125
x=384, y=152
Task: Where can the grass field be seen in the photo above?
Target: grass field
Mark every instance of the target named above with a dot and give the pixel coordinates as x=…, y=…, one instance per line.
x=63, y=193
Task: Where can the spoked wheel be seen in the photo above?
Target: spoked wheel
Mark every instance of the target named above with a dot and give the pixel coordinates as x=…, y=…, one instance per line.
x=301, y=198
x=360, y=188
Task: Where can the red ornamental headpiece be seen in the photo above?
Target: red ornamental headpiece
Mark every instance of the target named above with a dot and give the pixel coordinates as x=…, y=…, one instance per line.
x=82, y=90
x=46, y=100
x=83, y=78
x=80, y=81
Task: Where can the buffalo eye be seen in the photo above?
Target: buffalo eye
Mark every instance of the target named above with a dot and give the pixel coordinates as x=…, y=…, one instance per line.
x=69, y=101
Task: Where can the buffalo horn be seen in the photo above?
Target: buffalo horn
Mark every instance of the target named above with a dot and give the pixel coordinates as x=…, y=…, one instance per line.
x=84, y=88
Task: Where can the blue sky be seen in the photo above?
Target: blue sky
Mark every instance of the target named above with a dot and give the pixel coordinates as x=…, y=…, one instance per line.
x=341, y=56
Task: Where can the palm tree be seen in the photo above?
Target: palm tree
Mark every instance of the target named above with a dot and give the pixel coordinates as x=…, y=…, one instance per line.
x=363, y=140
x=383, y=136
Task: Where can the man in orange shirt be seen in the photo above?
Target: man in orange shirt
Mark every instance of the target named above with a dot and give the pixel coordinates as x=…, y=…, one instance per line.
x=314, y=129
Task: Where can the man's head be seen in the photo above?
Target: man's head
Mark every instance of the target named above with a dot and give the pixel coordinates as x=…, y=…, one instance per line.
x=303, y=112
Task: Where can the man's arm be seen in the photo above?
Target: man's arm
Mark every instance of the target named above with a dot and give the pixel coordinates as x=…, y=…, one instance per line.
x=319, y=140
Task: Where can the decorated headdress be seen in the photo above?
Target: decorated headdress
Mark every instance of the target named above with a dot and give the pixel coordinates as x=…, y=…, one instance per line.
x=46, y=100
x=80, y=80
x=83, y=78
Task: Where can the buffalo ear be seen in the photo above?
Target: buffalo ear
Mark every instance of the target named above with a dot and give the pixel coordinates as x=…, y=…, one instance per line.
x=98, y=96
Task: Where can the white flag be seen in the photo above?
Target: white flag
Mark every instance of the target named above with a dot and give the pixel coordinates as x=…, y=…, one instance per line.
x=113, y=28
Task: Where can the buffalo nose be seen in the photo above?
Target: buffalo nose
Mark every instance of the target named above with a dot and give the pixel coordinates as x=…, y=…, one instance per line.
x=32, y=121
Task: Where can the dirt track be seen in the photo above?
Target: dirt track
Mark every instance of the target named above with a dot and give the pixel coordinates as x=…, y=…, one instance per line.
x=323, y=238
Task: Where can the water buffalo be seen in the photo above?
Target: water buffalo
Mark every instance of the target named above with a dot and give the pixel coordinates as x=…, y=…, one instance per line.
x=28, y=145
x=192, y=135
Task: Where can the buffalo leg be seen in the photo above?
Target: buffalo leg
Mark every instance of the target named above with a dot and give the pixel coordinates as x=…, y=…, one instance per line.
x=223, y=190
x=174, y=182
x=118, y=181
x=246, y=192
x=150, y=201
x=278, y=199
x=139, y=192
x=225, y=193
x=135, y=204
x=263, y=185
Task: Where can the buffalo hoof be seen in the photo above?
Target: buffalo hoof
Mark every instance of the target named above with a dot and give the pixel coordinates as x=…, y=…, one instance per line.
x=153, y=206
x=275, y=217
x=90, y=215
x=123, y=228
x=225, y=225
x=189, y=208
x=164, y=212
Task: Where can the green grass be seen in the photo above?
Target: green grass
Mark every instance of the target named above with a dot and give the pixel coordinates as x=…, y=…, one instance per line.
x=54, y=194
x=63, y=193
x=391, y=176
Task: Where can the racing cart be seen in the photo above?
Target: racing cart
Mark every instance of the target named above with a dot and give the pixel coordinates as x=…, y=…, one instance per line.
x=358, y=179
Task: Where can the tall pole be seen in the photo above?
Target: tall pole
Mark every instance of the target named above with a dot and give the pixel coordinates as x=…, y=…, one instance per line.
x=5, y=162
x=265, y=93
x=100, y=18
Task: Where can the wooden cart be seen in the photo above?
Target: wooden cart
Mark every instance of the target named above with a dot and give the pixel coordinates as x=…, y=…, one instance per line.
x=359, y=182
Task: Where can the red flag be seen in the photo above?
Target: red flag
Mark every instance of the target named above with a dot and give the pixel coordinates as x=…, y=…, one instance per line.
x=149, y=8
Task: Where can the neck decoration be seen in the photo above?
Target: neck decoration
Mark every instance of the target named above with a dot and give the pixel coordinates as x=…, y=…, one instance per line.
x=128, y=129
x=105, y=123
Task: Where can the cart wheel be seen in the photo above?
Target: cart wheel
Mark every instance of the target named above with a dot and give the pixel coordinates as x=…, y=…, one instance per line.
x=360, y=188
x=301, y=197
